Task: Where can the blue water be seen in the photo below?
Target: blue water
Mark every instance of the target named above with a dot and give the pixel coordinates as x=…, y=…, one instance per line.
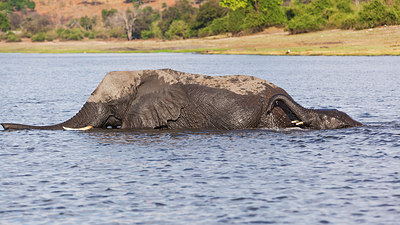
x=347, y=176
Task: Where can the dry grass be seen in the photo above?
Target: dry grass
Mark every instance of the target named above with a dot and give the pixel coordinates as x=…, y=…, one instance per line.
x=378, y=41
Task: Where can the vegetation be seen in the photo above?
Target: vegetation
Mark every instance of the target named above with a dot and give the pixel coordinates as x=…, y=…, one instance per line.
x=16, y=5
x=213, y=17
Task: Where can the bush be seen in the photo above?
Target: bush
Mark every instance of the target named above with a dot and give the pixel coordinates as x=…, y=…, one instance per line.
x=101, y=35
x=11, y=37
x=254, y=22
x=50, y=36
x=178, y=29
x=70, y=34
x=35, y=23
x=305, y=23
x=117, y=32
x=3, y=36
x=204, y=32
x=372, y=14
x=147, y=34
x=39, y=37
x=4, y=23
x=219, y=26
x=92, y=35
x=272, y=13
x=235, y=21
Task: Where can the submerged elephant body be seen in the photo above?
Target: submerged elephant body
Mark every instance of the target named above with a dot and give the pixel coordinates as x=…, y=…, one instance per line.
x=168, y=99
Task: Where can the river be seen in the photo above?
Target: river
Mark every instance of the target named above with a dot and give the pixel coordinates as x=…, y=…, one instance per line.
x=344, y=176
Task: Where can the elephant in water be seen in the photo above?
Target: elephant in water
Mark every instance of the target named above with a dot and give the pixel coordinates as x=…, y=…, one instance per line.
x=168, y=99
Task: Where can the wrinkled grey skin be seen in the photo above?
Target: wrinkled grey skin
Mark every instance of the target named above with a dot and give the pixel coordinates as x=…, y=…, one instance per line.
x=168, y=99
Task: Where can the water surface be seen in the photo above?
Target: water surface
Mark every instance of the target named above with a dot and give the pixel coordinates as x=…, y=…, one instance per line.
x=346, y=176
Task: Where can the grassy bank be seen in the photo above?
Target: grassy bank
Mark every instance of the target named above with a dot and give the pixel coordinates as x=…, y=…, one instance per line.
x=377, y=41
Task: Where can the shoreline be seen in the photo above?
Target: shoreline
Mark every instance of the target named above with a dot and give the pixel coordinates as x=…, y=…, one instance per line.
x=273, y=41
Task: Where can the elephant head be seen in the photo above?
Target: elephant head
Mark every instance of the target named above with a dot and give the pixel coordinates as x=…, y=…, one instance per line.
x=124, y=99
x=311, y=118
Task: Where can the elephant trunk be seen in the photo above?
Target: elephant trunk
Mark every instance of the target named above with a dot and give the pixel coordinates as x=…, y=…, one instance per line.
x=311, y=118
x=87, y=116
x=291, y=107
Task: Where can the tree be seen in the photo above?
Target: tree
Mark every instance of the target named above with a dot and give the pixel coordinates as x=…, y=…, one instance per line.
x=16, y=5
x=129, y=18
x=87, y=22
x=4, y=23
x=105, y=14
x=208, y=12
x=181, y=11
x=234, y=4
x=178, y=29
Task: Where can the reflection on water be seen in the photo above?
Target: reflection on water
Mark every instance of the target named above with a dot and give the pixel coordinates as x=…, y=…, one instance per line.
x=292, y=176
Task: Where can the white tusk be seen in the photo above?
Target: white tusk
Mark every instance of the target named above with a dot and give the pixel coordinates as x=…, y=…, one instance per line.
x=82, y=128
x=300, y=123
x=295, y=121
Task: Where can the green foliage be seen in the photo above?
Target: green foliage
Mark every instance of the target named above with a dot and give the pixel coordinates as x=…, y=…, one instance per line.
x=16, y=5
x=145, y=18
x=179, y=29
x=12, y=37
x=105, y=14
x=4, y=23
x=234, y=4
x=70, y=34
x=147, y=34
x=87, y=23
x=234, y=23
x=219, y=26
x=271, y=12
x=153, y=32
x=116, y=32
x=3, y=36
x=208, y=12
x=181, y=11
x=375, y=13
x=305, y=23
x=39, y=37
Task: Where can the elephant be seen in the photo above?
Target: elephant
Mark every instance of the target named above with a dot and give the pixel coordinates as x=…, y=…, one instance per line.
x=169, y=99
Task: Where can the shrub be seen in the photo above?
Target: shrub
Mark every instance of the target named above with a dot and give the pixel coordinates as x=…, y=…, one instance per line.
x=204, y=32
x=305, y=23
x=272, y=13
x=3, y=36
x=39, y=37
x=91, y=35
x=372, y=14
x=147, y=34
x=254, y=22
x=87, y=23
x=235, y=21
x=101, y=35
x=219, y=26
x=35, y=23
x=70, y=34
x=11, y=37
x=50, y=36
x=178, y=29
x=4, y=23
x=117, y=32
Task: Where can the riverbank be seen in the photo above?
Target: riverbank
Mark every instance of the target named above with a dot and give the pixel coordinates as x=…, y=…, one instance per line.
x=377, y=41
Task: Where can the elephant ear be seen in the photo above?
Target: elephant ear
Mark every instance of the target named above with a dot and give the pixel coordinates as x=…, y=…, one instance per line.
x=155, y=104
